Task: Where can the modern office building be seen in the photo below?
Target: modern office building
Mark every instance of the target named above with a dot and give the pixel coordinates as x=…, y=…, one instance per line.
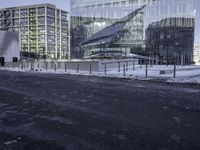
x=165, y=29
x=43, y=30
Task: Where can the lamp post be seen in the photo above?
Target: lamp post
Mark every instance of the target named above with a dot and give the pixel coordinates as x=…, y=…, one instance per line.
x=168, y=38
x=20, y=30
x=44, y=55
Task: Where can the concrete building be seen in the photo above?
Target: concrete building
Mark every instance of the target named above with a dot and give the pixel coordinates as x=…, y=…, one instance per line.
x=163, y=29
x=9, y=47
x=43, y=30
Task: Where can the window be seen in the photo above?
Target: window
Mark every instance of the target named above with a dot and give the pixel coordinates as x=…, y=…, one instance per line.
x=23, y=12
x=41, y=20
x=32, y=12
x=41, y=11
x=64, y=15
x=50, y=21
x=51, y=12
x=41, y=29
x=41, y=38
x=15, y=59
x=50, y=30
x=15, y=13
x=24, y=21
x=15, y=22
x=64, y=24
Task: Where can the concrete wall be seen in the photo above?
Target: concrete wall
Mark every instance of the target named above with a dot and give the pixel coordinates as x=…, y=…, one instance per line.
x=70, y=65
x=81, y=65
x=9, y=45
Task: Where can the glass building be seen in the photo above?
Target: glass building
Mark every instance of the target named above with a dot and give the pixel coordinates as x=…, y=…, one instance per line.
x=43, y=30
x=164, y=29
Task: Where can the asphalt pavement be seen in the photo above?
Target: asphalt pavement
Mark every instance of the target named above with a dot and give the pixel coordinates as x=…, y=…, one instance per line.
x=66, y=112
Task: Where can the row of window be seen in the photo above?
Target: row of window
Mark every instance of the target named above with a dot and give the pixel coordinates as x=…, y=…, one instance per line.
x=33, y=11
x=41, y=30
x=33, y=21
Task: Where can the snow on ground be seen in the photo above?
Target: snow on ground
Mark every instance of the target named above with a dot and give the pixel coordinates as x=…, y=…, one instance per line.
x=191, y=80
x=184, y=74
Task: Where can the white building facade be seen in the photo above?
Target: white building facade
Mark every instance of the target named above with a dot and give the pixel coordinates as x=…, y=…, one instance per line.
x=43, y=30
x=9, y=47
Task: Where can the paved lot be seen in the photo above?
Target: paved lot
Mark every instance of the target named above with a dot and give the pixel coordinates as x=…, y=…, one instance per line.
x=58, y=112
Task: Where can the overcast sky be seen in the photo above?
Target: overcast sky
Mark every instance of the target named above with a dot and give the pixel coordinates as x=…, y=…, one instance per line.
x=63, y=4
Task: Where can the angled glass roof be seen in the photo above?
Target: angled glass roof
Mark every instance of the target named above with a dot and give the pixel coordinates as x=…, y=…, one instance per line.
x=111, y=30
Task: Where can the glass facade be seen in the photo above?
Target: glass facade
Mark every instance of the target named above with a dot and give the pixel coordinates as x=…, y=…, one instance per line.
x=157, y=28
x=88, y=17
x=169, y=30
x=40, y=29
x=197, y=33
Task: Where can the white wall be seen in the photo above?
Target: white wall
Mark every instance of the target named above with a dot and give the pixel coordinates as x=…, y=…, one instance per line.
x=9, y=45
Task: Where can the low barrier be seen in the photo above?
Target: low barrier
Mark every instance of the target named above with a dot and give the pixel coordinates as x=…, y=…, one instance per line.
x=125, y=67
x=67, y=65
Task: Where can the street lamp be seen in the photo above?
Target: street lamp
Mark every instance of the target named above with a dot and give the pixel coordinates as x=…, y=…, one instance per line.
x=20, y=30
x=44, y=54
x=168, y=38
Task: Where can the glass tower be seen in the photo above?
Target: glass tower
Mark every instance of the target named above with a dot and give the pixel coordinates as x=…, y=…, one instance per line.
x=169, y=30
x=197, y=32
x=43, y=30
x=165, y=29
x=88, y=17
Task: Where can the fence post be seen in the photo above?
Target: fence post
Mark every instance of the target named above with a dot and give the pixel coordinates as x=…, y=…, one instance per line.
x=46, y=66
x=146, y=72
x=119, y=66
x=105, y=69
x=174, y=70
x=182, y=60
x=31, y=66
x=65, y=67
x=133, y=65
x=22, y=67
x=77, y=68
x=126, y=65
x=55, y=68
x=90, y=68
x=124, y=70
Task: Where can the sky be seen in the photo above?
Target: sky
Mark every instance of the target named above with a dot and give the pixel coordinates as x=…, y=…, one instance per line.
x=62, y=4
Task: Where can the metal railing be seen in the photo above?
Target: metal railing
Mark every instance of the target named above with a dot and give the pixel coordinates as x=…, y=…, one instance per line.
x=106, y=68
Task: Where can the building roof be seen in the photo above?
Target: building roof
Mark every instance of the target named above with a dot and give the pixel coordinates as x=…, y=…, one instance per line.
x=31, y=6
